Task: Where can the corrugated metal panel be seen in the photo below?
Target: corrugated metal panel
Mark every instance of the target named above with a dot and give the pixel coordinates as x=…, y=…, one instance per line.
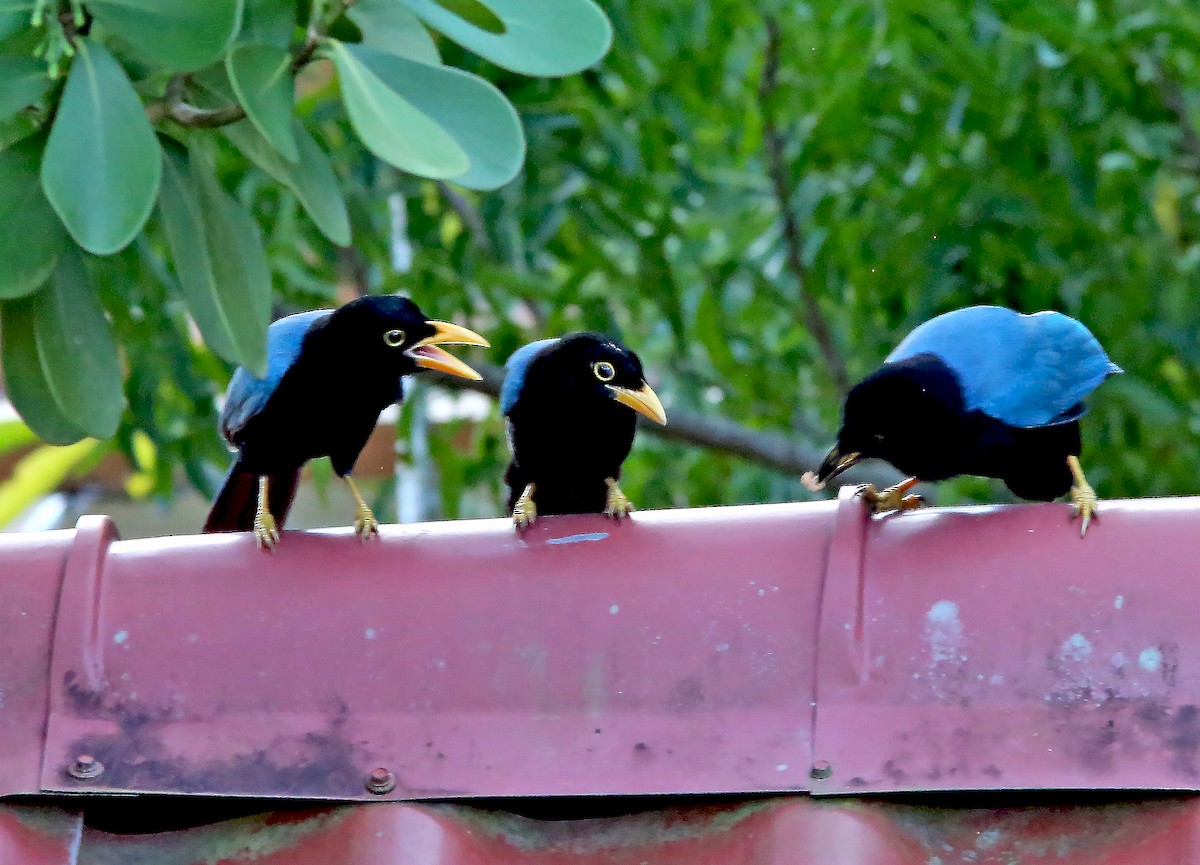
x=779, y=832
x=684, y=651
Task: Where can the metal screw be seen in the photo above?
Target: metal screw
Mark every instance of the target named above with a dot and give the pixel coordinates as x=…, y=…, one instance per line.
x=821, y=770
x=86, y=767
x=380, y=781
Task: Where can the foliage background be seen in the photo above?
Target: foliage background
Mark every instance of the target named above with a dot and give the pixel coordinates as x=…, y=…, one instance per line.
x=928, y=155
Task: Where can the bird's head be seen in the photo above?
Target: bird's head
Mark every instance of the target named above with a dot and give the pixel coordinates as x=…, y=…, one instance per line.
x=906, y=413
x=397, y=336
x=593, y=370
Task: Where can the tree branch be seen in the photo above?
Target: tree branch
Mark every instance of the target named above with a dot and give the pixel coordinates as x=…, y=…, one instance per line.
x=793, y=236
x=172, y=103
x=470, y=216
x=719, y=434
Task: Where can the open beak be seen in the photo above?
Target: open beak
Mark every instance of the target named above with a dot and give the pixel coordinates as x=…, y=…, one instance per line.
x=428, y=356
x=644, y=401
x=835, y=463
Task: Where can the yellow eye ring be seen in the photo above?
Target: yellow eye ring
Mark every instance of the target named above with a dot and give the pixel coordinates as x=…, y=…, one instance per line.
x=604, y=370
x=394, y=338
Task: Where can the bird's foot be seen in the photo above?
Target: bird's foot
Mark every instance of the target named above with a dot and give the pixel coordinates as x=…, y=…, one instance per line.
x=893, y=498
x=266, y=533
x=1085, y=504
x=1084, y=501
x=365, y=524
x=525, y=511
x=615, y=503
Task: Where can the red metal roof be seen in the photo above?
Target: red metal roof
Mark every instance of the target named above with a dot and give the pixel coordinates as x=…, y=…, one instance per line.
x=789, y=831
x=761, y=648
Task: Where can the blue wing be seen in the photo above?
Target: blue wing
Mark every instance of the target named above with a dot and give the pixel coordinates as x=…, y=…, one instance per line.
x=247, y=395
x=517, y=366
x=1025, y=370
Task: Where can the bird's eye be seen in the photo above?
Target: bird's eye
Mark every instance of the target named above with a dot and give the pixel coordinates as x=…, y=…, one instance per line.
x=604, y=370
x=394, y=338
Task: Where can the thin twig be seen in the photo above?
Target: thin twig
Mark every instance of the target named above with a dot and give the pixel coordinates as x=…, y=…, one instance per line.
x=793, y=236
x=172, y=103
x=719, y=434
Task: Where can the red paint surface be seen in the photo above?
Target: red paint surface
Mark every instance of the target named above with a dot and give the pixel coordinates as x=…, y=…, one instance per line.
x=795, y=831
x=683, y=651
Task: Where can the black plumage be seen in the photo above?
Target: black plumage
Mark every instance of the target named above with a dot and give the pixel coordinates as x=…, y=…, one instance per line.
x=570, y=409
x=330, y=374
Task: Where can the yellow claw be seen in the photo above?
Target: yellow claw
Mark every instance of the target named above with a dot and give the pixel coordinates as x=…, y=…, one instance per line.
x=525, y=511
x=616, y=505
x=365, y=524
x=266, y=532
x=1084, y=501
x=892, y=498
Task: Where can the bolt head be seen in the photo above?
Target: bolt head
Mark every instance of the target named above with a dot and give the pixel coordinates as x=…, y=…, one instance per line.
x=380, y=781
x=85, y=768
x=821, y=770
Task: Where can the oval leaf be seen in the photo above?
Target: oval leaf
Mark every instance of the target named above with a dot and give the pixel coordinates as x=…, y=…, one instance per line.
x=261, y=76
x=23, y=82
x=25, y=380
x=219, y=258
x=77, y=349
x=390, y=26
x=540, y=37
x=29, y=255
x=102, y=166
x=179, y=35
x=268, y=22
x=311, y=177
x=389, y=125
x=473, y=112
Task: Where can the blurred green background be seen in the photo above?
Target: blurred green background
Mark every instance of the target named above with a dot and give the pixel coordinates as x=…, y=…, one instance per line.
x=759, y=198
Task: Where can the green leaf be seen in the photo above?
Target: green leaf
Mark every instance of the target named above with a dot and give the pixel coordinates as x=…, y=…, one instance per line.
x=557, y=38
x=219, y=258
x=268, y=22
x=30, y=253
x=179, y=35
x=25, y=380
x=388, y=124
x=102, y=167
x=23, y=82
x=15, y=16
x=61, y=365
x=261, y=76
x=77, y=349
x=390, y=26
x=473, y=112
x=311, y=177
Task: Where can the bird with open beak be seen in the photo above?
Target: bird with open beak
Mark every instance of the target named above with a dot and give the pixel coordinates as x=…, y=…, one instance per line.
x=571, y=408
x=979, y=391
x=329, y=375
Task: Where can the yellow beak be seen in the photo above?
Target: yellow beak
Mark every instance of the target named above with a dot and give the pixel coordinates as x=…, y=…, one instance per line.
x=428, y=356
x=644, y=401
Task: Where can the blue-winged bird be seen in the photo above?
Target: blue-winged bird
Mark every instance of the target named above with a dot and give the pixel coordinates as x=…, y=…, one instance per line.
x=329, y=375
x=978, y=391
x=570, y=408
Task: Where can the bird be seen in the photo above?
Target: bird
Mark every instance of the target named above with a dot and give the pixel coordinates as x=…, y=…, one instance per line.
x=329, y=375
x=570, y=406
x=982, y=390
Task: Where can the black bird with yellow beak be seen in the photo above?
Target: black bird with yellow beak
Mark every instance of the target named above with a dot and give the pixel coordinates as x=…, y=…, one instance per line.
x=329, y=375
x=571, y=407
